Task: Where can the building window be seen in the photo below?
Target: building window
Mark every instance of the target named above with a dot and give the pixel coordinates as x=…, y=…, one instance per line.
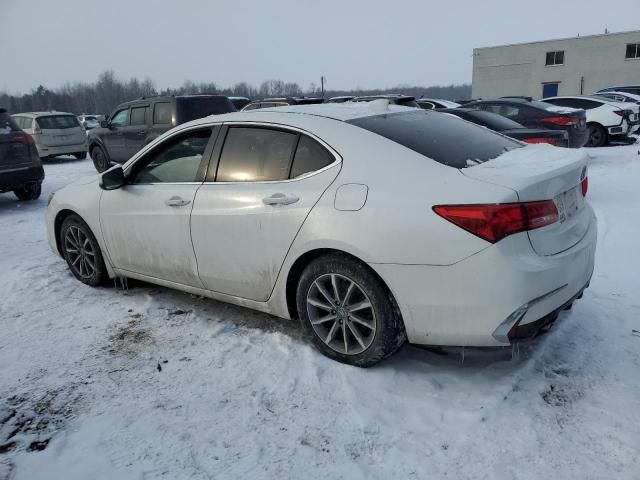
x=633, y=50
x=555, y=58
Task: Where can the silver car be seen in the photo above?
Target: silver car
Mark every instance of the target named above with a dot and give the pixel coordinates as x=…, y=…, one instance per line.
x=54, y=133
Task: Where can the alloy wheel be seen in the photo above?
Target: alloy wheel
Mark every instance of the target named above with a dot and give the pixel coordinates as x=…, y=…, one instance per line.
x=80, y=252
x=595, y=137
x=341, y=314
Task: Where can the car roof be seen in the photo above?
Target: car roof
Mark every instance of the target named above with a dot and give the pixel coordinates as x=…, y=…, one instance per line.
x=333, y=111
x=44, y=114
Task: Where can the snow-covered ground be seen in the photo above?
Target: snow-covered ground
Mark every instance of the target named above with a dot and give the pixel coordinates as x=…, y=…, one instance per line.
x=150, y=383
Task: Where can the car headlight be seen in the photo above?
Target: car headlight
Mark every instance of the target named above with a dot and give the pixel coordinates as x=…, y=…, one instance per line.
x=50, y=198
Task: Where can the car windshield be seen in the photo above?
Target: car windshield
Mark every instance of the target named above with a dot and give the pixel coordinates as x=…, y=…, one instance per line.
x=57, y=122
x=441, y=137
x=199, y=107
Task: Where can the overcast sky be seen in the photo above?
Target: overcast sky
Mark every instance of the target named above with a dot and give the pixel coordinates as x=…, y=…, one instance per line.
x=352, y=42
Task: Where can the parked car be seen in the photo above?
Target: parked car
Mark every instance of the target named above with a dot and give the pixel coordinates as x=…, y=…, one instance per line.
x=89, y=121
x=367, y=231
x=54, y=133
x=512, y=129
x=21, y=169
x=240, y=102
x=635, y=89
x=281, y=102
x=341, y=99
x=606, y=119
x=132, y=125
x=619, y=97
x=436, y=103
x=395, y=99
x=535, y=114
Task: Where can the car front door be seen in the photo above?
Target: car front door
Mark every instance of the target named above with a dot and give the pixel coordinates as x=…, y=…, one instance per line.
x=145, y=223
x=113, y=137
x=246, y=216
x=135, y=133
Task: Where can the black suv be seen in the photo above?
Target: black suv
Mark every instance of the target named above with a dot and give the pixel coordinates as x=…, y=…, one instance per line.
x=21, y=169
x=132, y=125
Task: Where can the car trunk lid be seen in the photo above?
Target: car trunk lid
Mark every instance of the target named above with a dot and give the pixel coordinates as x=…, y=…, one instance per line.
x=542, y=172
x=60, y=130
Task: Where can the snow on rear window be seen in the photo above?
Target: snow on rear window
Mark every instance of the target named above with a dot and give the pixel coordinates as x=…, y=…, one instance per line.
x=55, y=122
x=441, y=137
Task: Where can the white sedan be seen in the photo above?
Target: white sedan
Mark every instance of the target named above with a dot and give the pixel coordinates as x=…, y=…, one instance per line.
x=371, y=224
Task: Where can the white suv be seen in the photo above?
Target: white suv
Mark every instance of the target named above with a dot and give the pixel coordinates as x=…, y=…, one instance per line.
x=606, y=119
x=55, y=133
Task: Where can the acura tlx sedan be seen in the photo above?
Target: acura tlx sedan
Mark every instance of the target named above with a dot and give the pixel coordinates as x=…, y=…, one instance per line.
x=372, y=224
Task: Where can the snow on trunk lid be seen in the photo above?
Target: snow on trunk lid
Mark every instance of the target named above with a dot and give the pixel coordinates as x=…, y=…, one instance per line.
x=542, y=172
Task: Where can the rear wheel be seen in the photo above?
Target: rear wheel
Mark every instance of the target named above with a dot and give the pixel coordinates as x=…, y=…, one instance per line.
x=82, y=251
x=80, y=155
x=29, y=192
x=348, y=312
x=100, y=159
x=597, y=135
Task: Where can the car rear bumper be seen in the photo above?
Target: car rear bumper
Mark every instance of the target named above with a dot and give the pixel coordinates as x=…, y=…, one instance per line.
x=17, y=178
x=506, y=285
x=47, y=151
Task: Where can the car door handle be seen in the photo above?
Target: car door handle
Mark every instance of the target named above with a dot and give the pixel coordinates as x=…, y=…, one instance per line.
x=177, y=202
x=280, y=199
x=141, y=132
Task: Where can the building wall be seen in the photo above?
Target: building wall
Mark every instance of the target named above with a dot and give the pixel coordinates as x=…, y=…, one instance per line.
x=596, y=61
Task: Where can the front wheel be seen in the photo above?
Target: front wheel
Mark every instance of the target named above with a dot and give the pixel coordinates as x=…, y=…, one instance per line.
x=597, y=135
x=81, y=251
x=30, y=192
x=348, y=312
x=100, y=159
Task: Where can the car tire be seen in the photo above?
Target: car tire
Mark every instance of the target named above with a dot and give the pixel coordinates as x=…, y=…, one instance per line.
x=80, y=155
x=364, y=311
x=100, y=159
x=597, y=135
x=81, y=251
x=29, y=192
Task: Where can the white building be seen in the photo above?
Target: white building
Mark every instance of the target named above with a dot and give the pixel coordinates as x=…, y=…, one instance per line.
x=569, y=66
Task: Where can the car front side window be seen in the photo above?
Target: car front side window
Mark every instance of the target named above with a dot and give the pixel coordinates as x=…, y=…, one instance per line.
x=120, y=119
x=175, y=161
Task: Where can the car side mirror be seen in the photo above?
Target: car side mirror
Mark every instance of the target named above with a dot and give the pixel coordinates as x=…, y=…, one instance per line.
x=104, y=124
x=113, y=178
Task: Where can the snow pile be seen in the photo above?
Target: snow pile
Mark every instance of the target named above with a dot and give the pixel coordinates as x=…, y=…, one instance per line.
x=149, y=383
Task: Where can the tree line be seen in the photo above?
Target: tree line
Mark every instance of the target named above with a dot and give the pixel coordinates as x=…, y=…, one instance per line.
x=103, y=95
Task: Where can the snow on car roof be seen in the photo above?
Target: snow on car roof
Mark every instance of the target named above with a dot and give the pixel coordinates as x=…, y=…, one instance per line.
x=339, y=111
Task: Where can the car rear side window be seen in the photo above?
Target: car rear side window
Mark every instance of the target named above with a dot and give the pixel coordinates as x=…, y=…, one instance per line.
x=203, y=106
x=310, y=156
x=57, y=122
x=139, y=116
x=162, y=113
x=441, y=137
x=256, y=154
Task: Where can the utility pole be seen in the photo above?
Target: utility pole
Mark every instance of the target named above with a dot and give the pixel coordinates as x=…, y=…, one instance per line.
x=322, y=80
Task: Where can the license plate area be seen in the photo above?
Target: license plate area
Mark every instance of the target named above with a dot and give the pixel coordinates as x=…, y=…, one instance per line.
x=569, y=203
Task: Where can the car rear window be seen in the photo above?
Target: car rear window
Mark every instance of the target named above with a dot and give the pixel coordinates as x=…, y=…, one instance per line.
x=491, y=120
x=441, y=137
x=7, y=124
x=57, y=122
x=199, y=107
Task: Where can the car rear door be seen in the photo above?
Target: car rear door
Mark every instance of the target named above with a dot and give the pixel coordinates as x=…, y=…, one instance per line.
x=59, y=131
x=145, y=223
x=262, y=184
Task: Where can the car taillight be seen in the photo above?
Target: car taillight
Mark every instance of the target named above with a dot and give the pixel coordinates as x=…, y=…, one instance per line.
x=36, y=127
x=585, y=186
x=549, y=140
x=623, y=113
x=493, y=222
x=560, y=120
x=21, y=137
